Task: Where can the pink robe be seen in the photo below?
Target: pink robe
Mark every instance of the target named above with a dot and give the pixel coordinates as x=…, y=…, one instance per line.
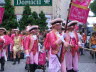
x=8, y=41
x=12, y=42
x=51, y=44
x=3, y=47
x=32, y=51
x=24, y=42
x=12, y=36
x=72, y=54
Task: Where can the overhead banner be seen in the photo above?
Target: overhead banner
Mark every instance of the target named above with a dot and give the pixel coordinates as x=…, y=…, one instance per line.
x=79, y=14
x=82, y=2
x=33, y=2
x=1, y=14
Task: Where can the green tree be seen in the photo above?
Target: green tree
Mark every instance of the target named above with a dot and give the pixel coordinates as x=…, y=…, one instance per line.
x=9, y=18
x=93, y=7
x=42, y=21
x=25, y=20
x=35, y=18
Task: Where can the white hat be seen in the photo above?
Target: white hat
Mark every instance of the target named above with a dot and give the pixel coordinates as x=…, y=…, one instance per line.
x=72, y=23
x=33, y=27
x=27, y=28
x=57, y=20
x=16, y=29
x=63, y=27
x=3, y=29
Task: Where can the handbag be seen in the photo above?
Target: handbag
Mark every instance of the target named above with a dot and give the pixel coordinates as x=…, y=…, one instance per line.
x=42, y=58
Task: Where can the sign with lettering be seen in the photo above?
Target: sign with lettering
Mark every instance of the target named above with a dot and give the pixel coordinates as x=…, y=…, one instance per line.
x=78, y=14
x=33, y=2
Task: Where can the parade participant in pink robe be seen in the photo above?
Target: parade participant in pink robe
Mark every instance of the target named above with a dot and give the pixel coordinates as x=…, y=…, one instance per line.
x=53, y=43
x=72, y=49
x=63, y=51
x=24, y=35
x=8, y=41
x=24, y=39
x=32, y=47
x=2, y=48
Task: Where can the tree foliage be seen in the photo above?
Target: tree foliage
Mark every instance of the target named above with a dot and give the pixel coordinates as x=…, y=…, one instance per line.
x=9, y=18
x=42, y=21
x=35, y=18
x=25, y=20
x=93, y=7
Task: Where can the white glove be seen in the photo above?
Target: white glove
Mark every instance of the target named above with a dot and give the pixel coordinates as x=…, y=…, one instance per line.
x=72, y=34
x=62, y=38
x=79, y=43
x=27, y=55
x=35, y=37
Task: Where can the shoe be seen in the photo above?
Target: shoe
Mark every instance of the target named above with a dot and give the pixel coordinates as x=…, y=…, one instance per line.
x=2, y=63
x=27, y=67
x=74, y=71
x=18, y=60
x=70, y=70
x=32, y=68
x=92, y=56
x=14, y=62
x=2, y=68
x=82, y=54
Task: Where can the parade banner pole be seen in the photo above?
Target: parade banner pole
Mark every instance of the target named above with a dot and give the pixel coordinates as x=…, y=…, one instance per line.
x=68, y=16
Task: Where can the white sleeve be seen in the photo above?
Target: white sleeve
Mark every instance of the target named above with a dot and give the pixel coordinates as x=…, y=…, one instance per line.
x=3, y=38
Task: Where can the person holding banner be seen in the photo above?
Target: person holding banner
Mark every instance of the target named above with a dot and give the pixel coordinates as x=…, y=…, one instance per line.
x=31, y=47
x=71, y=55
x=54, y=42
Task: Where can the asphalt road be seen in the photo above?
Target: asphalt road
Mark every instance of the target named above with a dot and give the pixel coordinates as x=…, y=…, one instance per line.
x=86, y=64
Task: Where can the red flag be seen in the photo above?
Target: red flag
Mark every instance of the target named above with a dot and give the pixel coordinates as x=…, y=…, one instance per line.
x=1, y=14
x=82, y=2
x=78, y=14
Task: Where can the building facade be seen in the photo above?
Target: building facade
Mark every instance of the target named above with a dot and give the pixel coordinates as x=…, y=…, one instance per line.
x=51, y=8
x=60, y=8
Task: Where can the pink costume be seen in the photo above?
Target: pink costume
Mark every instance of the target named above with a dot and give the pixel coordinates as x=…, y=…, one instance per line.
x=8, y=41
x=12, y=44
x=51, y=44
x=63, y=60
x=24, y=41
x=31, y=47
x=24, y=46
x=2, y=46
x=12, y=36
x=72, y=52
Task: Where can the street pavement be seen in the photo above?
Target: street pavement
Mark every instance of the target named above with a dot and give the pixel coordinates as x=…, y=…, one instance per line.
x=86, y=64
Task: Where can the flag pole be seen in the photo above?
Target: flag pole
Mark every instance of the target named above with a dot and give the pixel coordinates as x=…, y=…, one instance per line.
x=68, y=16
